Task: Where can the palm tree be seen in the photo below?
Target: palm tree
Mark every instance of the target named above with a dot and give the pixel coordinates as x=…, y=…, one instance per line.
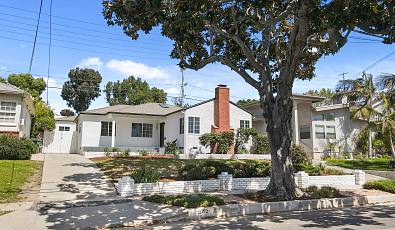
x=361, y=93
x=386, y=82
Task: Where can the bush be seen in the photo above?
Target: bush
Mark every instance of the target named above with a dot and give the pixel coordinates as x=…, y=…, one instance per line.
x=383, y=185
x=323, y=192
x=217, y=141
x=260, y=144
x=107, y=152
x=299, y=156
x=143, y=153
x=205, y=169
x=242, y=137
x=209, y=140
x=12, y=148
x=187, y=201
x=144, y=175
x=171, y=148
x=317, y=170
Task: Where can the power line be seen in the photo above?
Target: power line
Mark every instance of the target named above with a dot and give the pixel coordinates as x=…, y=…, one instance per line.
x=35, y=37
x=375, y=63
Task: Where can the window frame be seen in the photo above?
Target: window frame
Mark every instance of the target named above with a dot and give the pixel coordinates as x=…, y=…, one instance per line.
x=302, y=134
x=320, y=133
x=7, y=112
x=145, y=130
x=181, y=125
x=330, y=135
x=193, y=125
x=63, y=128
x=107, y=130
x=243, y=124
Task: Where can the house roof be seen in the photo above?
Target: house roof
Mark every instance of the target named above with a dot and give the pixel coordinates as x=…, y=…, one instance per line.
x=6, y=88
x=294, y=96
x=152, y=109
x=10, y=89
x=64, y=118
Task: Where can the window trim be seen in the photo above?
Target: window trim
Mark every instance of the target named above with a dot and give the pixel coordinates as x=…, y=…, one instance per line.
x=181, y=125
x=63, y=128
x=145, y=130
x=9, y=112
x=309, y=132
x=193, y=125
x=328, y=134
x=243, y=124
x=315, y=132
x=109, y=129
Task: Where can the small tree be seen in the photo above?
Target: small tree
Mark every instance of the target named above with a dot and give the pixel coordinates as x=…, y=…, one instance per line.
x=34, y=86
x=44, y=119
x=3, y=80
x=82, y=88
x=67, y=112
x=133, y=91
x=242, y=137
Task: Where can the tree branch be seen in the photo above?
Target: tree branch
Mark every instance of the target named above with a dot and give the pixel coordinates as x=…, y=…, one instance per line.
x=254, y=83
x=203, y=63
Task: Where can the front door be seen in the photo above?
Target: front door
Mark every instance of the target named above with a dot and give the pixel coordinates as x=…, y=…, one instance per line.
x=162, y=134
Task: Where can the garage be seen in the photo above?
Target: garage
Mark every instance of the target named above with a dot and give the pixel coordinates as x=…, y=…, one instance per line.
x=63, y=138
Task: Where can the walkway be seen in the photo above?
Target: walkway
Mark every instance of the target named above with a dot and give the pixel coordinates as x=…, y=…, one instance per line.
x=369, y=177
x=72, y=177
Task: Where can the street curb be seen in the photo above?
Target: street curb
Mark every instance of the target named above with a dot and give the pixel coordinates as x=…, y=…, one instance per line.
x=233, y=210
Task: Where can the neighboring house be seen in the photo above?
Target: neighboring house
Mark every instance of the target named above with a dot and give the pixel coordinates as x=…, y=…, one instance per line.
x=16, y=111
x=149, y=126
x=314, y=127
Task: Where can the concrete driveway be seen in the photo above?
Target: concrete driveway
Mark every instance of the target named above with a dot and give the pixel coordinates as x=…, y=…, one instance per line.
x=72, y=177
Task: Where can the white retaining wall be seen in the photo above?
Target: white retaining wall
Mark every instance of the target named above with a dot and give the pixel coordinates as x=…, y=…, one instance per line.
x=226, y=156
x=226, y=182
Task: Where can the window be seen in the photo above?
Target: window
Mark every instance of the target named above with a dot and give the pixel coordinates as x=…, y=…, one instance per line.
x=244, y=124
x=141, y=130
x=64, y=128
x=106, y=128
x=324, y=117
x=320, y=132
x=7, y=112
x=331, y=132
x=194, y=125
x=329, y=116
x=304, y=132
x=181, y=125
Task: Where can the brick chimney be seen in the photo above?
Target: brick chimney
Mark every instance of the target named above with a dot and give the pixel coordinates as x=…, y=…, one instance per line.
x=221, y=110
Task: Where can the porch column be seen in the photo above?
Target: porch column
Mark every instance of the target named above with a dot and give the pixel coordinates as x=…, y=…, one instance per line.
x=113, y=134
x=296, y=123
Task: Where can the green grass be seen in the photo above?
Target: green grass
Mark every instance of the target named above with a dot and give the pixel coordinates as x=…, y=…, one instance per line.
x=379, y=164
x=383, y=185
x=23, y=169
x=186, y=200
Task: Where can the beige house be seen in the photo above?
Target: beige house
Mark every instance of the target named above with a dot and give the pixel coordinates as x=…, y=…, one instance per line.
x=315, y=126
x=16, y=111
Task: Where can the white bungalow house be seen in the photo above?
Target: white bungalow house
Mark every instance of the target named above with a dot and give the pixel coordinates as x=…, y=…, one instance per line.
x=16, y=111
x=316, y=126
x=149, y=126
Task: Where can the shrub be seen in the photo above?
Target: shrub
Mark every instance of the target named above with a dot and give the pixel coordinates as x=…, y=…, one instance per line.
x=202, y=170
x=260, y=144
x=383, y=185
x=225, y=140
x=125, y=153
x=143, y=152
x=171, y=148
x=12, y=148
x=242, y=137
x=186, y=200
x=323, y=192
x=144, y=175
x=299, y=156
x=317, y=170
x=107, y=152
x=209, y=140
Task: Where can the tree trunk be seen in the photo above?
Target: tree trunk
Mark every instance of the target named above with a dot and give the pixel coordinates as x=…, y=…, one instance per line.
x=392, y=145
x=279, y=129
x=370, y=142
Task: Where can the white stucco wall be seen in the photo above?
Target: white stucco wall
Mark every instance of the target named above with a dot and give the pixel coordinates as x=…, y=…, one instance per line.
x=91, y=131
x=57, y=141
x=172, y=128
x=22, y=123
x=206, y=113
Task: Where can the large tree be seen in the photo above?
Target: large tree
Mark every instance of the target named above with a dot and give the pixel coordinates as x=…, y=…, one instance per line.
x=25, y=81
x=81, y=89
x=133, y=91
x=268, y=43
x=67, y=113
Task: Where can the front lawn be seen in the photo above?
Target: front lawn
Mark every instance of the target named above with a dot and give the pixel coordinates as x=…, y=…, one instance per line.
x=378, y=164
x=23, y=170
x=383, y=185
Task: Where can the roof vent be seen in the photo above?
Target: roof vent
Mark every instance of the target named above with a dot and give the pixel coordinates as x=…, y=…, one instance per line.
x=163, y=105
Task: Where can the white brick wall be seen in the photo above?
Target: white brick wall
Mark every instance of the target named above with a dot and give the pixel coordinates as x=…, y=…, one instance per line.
x=226, y=182
x=227, y=156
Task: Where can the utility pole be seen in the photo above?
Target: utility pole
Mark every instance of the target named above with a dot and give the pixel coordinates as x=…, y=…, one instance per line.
x=182, y=87
x=343, y=74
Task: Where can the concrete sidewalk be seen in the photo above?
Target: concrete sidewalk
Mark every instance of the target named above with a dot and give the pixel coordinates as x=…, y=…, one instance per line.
x=73, y=177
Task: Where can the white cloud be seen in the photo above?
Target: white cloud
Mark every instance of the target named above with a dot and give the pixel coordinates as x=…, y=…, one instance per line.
x=93, y=62
x=172, y=90
x=51, y=82
x=136, y=69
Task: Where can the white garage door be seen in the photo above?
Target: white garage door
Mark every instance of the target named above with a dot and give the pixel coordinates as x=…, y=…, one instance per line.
x=60, y=140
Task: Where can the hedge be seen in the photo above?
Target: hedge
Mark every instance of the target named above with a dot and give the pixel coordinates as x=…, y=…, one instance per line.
x=12, y=148
x=383, y=185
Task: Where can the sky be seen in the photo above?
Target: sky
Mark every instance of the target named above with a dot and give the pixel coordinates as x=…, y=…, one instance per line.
x=81, y=38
